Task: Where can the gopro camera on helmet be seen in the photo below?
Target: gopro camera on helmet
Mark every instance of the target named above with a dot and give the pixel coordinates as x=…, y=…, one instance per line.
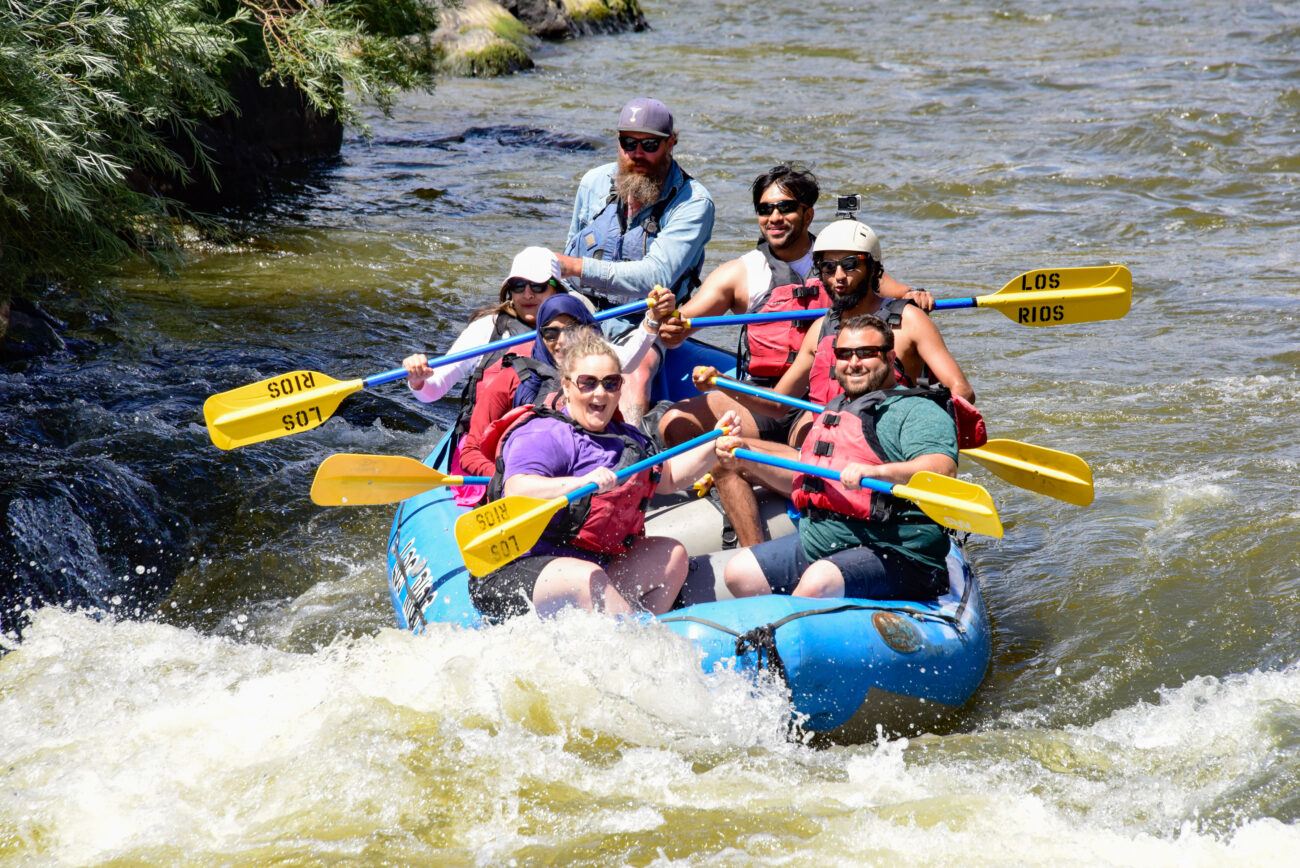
x=845, y=206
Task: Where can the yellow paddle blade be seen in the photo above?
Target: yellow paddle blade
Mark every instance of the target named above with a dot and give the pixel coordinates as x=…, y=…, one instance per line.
x=952, y=503
x=365, y=480
x=1062, y=296
x=1036, y=468
x=287, y=404
x=494, y=535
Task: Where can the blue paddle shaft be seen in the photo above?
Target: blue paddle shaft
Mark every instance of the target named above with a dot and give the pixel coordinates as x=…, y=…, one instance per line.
x=769, y=394
x=451, y=358
x=659, y=458
x=745, y=318
x=787, y=316
x=475, y=480
x=811, y=469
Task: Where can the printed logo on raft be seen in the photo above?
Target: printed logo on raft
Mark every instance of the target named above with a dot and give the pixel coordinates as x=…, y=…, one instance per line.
x=415, y=593
x=898, y=632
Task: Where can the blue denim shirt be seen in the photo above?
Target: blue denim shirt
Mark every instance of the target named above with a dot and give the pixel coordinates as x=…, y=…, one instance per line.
x=685, y=228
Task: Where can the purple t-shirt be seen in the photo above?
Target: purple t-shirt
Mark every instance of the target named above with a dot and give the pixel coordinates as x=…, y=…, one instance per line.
x=551, y=447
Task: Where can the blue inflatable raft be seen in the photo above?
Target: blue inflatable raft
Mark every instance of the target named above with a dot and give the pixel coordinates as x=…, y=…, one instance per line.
x=851, y=665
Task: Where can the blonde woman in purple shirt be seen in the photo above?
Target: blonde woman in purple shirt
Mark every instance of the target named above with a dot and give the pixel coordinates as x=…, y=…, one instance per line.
x=593, y=555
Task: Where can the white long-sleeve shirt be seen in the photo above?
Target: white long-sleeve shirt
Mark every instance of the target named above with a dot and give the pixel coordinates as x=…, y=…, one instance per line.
x=479, y=332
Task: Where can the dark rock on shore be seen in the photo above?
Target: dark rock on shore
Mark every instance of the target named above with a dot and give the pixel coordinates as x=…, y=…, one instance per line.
x=275, y=129
x=27, y=331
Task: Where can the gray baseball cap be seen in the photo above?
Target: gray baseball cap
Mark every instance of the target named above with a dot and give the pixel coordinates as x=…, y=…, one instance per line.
x=645, y=115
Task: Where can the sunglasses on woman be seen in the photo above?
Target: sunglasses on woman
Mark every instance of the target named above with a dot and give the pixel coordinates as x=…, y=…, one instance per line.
x=843, y=354
x=631, y=143
x=785, y=206
x=849, y=263
x=518, y=285
x=550, y=334
x=587, y=384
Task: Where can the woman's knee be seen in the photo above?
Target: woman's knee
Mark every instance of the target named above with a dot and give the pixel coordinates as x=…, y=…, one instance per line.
x=676, y=561
x=821, y=579
x=569, y=582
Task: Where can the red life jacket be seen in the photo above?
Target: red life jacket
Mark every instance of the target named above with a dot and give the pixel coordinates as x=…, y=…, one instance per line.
x=844, y=433
x=770, y=347
x=822, y=385
x=608, y=523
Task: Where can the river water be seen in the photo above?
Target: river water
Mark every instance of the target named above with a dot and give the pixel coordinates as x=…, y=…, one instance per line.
x=249, y=701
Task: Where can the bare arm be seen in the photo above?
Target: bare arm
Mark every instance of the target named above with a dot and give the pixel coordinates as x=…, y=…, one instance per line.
x=681, y=471
x=932, y=352
x=794, y=381
x=724, y=290
x=898, y=472
x=891, y=288
x=551, y=487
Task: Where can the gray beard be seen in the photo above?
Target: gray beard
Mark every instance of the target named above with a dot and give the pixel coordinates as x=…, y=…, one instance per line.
x=639, y=189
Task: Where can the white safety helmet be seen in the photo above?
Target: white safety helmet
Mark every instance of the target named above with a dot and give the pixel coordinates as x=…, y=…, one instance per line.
x=848, y=235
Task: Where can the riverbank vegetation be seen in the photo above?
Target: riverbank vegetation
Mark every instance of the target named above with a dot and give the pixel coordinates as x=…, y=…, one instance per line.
x=120, y=122
x=99, y=102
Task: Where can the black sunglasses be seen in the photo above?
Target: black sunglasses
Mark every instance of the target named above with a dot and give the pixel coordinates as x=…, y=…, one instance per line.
x=587, y=384
x=785, y=206
x=827, y=266
x=630, y=143
x=518, y=285
x=843, y=354
x=550, y=333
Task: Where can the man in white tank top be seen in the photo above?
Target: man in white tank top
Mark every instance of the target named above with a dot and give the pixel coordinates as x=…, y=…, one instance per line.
x=784, y=200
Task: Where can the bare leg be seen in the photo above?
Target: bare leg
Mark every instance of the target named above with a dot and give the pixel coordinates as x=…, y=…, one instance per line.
x=652, y=573
x=686, y=419
x=736, y=489
x=744, y=577
x=694, y=416
x=566, y=582
x=822, y=579
x=635, y=399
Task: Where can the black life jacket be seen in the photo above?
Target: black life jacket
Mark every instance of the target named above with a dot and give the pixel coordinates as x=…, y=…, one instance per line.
x=503, y=325
x=527, y=368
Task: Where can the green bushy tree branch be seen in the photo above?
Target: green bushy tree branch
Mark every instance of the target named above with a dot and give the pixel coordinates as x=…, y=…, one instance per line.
x=92, y=91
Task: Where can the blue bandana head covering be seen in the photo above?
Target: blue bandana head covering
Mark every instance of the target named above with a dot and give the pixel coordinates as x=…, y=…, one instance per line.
x=560, y=303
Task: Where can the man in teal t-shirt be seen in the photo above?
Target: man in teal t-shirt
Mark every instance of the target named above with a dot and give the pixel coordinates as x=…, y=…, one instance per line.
x=853, y=542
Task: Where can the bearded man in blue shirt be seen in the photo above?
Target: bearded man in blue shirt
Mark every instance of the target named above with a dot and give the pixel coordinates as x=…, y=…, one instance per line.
x=637, y=223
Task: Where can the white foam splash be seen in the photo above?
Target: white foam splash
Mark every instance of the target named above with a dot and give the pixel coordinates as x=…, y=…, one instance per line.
x=582, y=739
